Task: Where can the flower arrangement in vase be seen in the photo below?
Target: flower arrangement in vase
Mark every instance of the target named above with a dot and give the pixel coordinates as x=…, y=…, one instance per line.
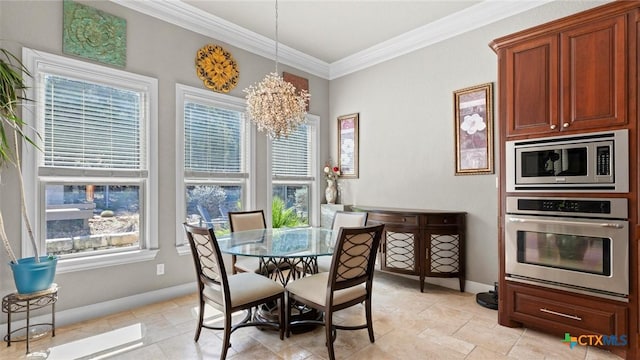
x=331, y=174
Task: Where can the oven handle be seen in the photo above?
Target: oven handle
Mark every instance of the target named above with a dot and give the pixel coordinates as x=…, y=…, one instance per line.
x=566, y=222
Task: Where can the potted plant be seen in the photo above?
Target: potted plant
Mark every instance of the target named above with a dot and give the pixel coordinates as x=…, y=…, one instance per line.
x=34, y=273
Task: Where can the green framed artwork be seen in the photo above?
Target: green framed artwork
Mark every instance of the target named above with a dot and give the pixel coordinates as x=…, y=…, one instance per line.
x=94, y=34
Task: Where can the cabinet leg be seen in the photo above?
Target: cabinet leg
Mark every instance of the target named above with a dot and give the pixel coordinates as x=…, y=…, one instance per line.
x=461, y=279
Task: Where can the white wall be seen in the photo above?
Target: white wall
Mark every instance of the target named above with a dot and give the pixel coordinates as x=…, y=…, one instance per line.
x=406, y=123
x=166, y=52
x=406, y=132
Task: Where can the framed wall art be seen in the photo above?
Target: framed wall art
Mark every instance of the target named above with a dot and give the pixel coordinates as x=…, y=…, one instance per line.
x=94, y=34
x=473, y=108
x=298, y=82
x=348, y=145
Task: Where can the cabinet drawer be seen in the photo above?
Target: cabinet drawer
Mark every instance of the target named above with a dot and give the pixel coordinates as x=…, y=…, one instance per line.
x=442, y=219
x=566, y=312
x=393, y=219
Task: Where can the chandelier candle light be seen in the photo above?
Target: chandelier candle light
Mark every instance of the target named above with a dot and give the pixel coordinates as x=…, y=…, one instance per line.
x=273, y=104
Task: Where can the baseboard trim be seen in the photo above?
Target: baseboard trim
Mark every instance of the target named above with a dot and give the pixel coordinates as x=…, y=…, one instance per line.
x=83, y=313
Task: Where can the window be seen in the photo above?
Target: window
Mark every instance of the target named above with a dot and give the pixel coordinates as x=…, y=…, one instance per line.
x=93, y=182
x=294, y=170
x=213, y=147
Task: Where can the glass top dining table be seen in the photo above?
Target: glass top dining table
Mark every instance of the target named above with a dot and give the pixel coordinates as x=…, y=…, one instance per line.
x=285, y=253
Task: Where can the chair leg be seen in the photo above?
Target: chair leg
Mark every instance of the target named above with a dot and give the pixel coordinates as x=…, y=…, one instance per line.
x=282, y=318
x=328, y=324
x=200, y=321
x=287, y=310
x=226, y=341
x=367, y=307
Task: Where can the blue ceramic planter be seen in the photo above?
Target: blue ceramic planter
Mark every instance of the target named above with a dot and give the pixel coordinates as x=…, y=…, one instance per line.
x=31, y=277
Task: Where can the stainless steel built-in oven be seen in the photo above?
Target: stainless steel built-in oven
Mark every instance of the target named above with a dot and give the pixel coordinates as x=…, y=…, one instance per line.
x=576, y=244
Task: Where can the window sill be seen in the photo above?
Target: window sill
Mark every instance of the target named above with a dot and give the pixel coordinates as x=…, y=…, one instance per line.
x=183, y=249
x=99, y=261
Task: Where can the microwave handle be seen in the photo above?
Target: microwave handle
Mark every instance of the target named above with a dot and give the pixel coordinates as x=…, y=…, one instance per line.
x=565, y=222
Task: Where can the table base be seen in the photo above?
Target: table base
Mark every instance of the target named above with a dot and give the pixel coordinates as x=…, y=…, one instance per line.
x=285, y=270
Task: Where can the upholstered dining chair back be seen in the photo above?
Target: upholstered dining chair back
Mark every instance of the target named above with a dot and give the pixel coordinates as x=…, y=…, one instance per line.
x=247, y=220
x=353, y=261
x=347, y=219
x=341, y=219
x=348, y=283
x=229, y=294
x=208, y=262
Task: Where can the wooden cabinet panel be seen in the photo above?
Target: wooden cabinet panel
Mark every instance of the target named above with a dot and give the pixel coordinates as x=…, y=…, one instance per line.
x=443, y=251
x=562, y=313
x=570, y=80
x=444, y=219
x=532, y=86
x=593, y=56
x=421, y=242
x=593, y=75
x=403, y=219
x=399, y=251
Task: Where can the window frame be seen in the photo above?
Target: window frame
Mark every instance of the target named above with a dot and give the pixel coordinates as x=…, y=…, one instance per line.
x=313, y=121
x=39, y=62
x=247, y=180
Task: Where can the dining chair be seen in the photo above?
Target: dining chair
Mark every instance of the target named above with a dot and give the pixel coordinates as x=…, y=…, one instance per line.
x=229, y=294
x=348, y=283
x=246, y=220
x=341, y=219
x=205, y=218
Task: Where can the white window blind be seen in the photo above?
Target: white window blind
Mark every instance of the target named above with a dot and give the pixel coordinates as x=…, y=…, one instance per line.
x=291, y=156
x=212, y=139
x=88, y=125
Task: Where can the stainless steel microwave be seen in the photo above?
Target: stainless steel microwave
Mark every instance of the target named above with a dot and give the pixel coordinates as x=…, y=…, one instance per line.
x=586, y=162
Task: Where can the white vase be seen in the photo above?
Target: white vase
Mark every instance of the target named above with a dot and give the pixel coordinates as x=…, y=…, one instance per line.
x=331, y=192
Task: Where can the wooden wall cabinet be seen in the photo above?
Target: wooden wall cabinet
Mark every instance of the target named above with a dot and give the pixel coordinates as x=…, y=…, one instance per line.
x=426, y=243
x=578, y=74
x=567, y=80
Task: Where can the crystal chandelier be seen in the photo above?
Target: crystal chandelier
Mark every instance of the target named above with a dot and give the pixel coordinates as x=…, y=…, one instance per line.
x=273, y=104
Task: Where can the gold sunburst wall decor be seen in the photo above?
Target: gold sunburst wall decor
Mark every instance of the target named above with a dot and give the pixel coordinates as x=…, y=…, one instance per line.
x=217, y=68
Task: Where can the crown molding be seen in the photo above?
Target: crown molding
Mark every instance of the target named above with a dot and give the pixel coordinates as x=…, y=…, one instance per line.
x=194, y=19
x=463, y=21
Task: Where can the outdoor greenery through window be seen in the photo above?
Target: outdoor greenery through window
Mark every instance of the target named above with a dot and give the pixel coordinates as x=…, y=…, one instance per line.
x=215, y=143
x=292, y=177
x=93, y=170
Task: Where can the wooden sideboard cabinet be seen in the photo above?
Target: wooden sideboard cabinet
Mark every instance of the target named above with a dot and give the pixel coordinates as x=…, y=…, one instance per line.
x=426, y=243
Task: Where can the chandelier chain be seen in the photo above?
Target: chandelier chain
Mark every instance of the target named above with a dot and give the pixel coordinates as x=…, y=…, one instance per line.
x=274, y=105
x=276, y=36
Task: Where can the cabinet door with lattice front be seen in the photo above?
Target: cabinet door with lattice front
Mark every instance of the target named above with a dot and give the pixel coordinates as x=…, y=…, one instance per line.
x=444, y=254
x=399, y=250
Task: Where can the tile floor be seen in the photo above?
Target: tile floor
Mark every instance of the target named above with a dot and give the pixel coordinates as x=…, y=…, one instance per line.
x=437, y=324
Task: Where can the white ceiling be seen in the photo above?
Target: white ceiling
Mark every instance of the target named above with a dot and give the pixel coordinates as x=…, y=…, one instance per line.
x=331, y=38
x=331, y=30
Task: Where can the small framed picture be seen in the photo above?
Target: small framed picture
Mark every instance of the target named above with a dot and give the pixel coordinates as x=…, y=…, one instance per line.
x=473, y=108
x=348, y=145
